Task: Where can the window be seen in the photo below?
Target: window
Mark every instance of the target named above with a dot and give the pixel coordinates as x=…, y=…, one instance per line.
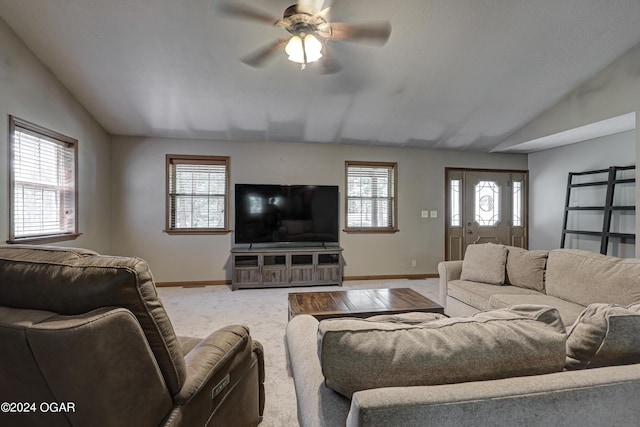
x=516, y=217
x=43, y=182
x=455, y=187
x=197, y=194
x=371, y=197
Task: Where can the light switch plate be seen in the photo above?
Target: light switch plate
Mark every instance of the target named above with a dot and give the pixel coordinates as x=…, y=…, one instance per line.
x=424, y=214
x=434, y=214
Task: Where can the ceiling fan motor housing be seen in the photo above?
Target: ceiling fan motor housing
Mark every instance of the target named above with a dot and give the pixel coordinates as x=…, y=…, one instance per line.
x=301, y=23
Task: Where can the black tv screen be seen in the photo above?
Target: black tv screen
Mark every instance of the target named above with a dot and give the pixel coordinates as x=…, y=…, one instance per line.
x=286, y=213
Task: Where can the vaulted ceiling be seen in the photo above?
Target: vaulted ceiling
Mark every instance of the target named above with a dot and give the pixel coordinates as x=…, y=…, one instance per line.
x=455, y=74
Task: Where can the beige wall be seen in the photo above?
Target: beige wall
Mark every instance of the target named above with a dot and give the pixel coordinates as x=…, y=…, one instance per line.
x=612, y=92
x=138, y=202
x=121, y=184
x=29, y=91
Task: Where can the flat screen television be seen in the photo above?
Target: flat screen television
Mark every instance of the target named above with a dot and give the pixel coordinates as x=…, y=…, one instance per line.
x=275, y=214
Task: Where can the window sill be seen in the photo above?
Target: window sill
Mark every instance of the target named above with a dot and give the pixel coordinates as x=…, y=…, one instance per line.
x=371, y=230
x=52, y=238
x=196, y=231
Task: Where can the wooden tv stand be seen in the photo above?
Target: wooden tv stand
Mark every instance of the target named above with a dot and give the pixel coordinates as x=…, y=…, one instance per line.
x=286, y=266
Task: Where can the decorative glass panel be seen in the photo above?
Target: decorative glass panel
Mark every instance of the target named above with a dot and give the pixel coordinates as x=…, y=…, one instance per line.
x=456, y=197
x=487, y=203
x=517, y=204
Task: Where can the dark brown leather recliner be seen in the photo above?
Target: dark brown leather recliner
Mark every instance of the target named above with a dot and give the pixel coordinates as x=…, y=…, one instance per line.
x=85, y=341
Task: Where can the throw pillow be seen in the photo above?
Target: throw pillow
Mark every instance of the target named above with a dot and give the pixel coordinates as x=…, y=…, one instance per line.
x=525, y=268
x=484, y=263
x=604, y=335
x=359, y=354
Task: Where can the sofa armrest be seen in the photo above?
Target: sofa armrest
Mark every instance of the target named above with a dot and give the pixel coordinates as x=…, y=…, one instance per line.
x=448, y=271
x=225, y=366
x=588, y=397
x=318, y=406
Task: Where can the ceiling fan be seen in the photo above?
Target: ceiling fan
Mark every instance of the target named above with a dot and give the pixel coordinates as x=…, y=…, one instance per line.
x=309, y=31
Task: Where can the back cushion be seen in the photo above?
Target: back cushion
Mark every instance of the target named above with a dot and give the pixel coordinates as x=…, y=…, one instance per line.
x=72, y=282
x=586, y=277
x=484, y=263
x=98, y=360
x=525, y=268
x=357, y=354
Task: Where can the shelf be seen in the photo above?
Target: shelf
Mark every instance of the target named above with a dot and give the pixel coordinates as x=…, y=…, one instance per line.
x=607, y=208
x=246, y=261
x=305, y=259
x=270, y=260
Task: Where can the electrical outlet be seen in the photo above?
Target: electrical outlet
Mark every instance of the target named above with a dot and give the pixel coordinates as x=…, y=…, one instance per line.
x=424, y=214
x=433, y=214
x=413, y=263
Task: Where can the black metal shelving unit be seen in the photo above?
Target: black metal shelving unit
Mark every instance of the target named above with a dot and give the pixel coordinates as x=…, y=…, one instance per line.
x=608, y=208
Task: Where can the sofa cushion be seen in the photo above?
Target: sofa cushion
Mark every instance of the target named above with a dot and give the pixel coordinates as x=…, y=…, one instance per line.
x=603, y=335
x=477, y=294
x=411, y=318
x=358, y=354
x=569, y=311
x=484, y=263
x=586, y=277
x=526, y=268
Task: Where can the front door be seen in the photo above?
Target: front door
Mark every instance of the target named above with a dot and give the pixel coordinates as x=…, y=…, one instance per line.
x=485, y=206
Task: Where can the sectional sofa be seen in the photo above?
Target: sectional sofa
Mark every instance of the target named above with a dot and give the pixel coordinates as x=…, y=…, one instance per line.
x=496, y=276
x=522, y=364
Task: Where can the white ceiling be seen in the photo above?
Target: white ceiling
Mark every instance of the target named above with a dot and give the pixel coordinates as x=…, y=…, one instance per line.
x=455, y=74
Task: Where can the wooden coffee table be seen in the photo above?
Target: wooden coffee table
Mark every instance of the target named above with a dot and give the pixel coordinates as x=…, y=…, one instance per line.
x=360, y=303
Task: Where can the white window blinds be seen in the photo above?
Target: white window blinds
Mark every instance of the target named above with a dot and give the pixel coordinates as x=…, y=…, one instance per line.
x=197, y=193
x=43, y=184
x=371, y=200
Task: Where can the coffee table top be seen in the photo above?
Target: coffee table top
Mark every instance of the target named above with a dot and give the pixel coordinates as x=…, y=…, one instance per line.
x=360, y=303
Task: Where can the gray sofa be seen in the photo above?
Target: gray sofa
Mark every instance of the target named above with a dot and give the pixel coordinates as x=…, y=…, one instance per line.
x=604, y=341
x=496, y=276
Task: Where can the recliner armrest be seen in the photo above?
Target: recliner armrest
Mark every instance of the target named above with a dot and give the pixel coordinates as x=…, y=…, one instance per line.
x=226, y=362
x=206, y=358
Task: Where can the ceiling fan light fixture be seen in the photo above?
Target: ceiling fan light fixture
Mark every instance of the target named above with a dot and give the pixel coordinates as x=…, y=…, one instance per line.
x=304, y=50
x=313, y=47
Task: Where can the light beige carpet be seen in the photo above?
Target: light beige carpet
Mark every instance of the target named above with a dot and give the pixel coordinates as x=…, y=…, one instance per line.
x=198, y=311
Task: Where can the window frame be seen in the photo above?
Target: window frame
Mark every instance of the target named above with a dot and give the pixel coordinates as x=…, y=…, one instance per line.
x=16, y=124
x=393, y=189
x=172, y=159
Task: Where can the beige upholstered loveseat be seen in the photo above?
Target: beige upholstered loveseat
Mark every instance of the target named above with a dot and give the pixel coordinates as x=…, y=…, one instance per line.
x=517, y=365
x=86, y=342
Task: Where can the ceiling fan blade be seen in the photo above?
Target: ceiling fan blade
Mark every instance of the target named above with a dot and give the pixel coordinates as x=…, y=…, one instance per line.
x=309, y=6
x=324, y=14
x=244, y=11
x=377, y=33
x=260, y=57
x=328, y=64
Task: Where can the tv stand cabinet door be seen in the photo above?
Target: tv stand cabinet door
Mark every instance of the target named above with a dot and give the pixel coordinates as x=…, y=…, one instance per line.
x=247, y=271
x=301, y=268
x=329, y=268
x=274, y=269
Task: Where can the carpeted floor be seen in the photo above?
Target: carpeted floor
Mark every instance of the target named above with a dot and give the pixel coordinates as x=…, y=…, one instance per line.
x=198, y=311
